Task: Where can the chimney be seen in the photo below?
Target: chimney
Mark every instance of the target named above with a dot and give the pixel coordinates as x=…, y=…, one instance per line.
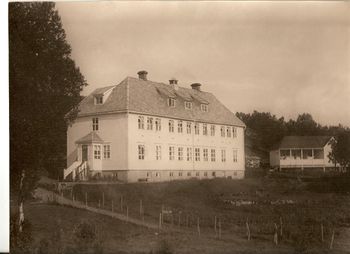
x=143, y=75
x=196, y=86
x=173, y=83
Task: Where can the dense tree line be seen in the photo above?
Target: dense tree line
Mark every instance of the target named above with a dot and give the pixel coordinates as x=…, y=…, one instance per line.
x=270, y=130
x=44, y=84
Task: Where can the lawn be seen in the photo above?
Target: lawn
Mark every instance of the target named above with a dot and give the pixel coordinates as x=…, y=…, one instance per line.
x=301, y=207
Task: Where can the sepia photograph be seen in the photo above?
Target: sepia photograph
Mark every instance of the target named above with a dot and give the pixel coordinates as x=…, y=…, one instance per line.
x=170, y=127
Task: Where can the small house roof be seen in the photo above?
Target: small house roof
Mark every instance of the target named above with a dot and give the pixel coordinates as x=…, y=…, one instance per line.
x=303, y=142
x=92, y=137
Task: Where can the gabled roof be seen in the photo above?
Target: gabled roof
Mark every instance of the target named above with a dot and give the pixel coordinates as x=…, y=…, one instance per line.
x=303, y=142
x=92, y=137
x=147, y=97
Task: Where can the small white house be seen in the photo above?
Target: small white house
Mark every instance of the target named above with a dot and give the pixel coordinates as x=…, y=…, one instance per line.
x=140, y=130
x=302, y=152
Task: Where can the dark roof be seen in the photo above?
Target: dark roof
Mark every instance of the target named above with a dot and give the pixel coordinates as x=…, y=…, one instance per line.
x=303, y=142
x=92, y=137
x=147, y=97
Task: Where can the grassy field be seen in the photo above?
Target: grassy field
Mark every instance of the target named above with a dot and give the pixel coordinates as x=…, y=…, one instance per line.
x=301, y=207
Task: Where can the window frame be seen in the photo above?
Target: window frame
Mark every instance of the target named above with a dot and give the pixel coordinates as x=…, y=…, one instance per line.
x=106, y=151
x=171, y=126
x=212, y=130
x=95, y=124
x=158, y=152
x=141, y=123
x=150, y=123
x=212, y=155
x=223, y=155
x=158, y=124
x=179, y=126
x=205, y=154
x=97, y=152
x=188, y=127
x=188, y=105
x=197, y=154
x=235, y=155
x=205, y=129
x=171, y=153
x=204, y=107
x=141, y=152
x=171, y=102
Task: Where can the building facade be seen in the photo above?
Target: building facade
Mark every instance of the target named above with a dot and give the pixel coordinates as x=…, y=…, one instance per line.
x=141, y=130
x=302, y=152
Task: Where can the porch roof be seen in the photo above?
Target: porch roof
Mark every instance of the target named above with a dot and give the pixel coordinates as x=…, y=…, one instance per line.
x=92, y=137
x=290, y=142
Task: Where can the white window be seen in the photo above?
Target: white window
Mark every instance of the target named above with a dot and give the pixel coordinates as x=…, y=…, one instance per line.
x=212, y=155
x=171, y=102
x=228, y=131
x=223, y=155
x=205, y=129
x=180, y=173
x=212, y=130
x=99, y=99
x=188, y=105
x=196, y=128
x=158, y=152
x=149, y=174
x=157, y=174
x=171, y=125
x=149, y=123
x=141, y=152
x=188, y=173
x=197, y=154
x=141, y=123
x=222, y=129
x=235, y=155
x=95, y=124
x=97, y=152
x=158, y=124
x=171, y=174
x=234, y=132
x=205, y=154
x=197, y=173
x=205, y=173
x=180, y=151
x=106, y=151
x=171, y=153
x=188, y=127
x=179, y=126
x=189, y=154
x=204, y=107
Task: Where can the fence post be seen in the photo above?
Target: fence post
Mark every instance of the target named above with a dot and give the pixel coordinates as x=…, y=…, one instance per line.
x=99, y=203
x=281, y=225
x=127, y=214
x=103, y=199
x=141, y=207
x=198, y=227
x=322, y=239
x=112, y=206
x=219, y=228
x=86, y=199
x=160, y=221
x=275, y=237
x=332, y=240
x=216, y=233
x=248, y=230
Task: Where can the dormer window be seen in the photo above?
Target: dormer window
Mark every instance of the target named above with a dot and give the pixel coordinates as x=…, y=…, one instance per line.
x=188, y=105
x=99, y=99
x=171, y=102
x=204, y=107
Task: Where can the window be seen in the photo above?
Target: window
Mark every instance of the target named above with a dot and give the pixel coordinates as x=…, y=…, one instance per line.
x=188, y=127
x=318, y=154
x=212, y=155
x=141, y=152
x=95, y=124
x=284, y=153
x=180, y=173
x=149, y=123
x=307, y=154
x=197, y=173
x=212, y=130
x=141, y=123
x=171, y=174
x=213, y=174
x=188, y=173
x=171, y=125
x=204, y=107
x=157, y=122
x=180, y=151
x=179, y=126
x=205, y=154
x=296, y=153
x=158, y=152
x=149, y=174
x=171, y=153
x=189, y=153
x=188, y=105
x=97, y=152
x=157, y=174
x=235, y=155
x=234, y=132
x=171, y=102
x=222, y=129
x=196, y=128
x=205, y=129
x=106, y=151
x=205, y=174
x=197, y=154
x=99, y=99
x=228, y=132
x=223, y=155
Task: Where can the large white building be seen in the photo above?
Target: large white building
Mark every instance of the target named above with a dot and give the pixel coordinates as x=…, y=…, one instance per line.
x=140, y=130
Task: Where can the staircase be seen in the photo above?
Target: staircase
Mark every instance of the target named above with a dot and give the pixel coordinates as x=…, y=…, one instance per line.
x=78, y=170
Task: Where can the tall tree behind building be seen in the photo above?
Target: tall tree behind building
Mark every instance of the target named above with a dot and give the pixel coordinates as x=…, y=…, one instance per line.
x=44, y=85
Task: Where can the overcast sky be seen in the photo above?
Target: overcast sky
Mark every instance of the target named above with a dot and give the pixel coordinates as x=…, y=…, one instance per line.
x=286, y=58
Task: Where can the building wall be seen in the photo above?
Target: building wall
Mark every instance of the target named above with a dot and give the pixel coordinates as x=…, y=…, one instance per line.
x=164, y=138
x=113, y=129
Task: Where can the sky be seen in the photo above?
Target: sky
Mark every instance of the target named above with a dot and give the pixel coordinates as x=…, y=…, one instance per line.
x=286, y=58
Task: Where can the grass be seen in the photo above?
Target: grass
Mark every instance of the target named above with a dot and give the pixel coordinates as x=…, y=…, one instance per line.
x=206, y=199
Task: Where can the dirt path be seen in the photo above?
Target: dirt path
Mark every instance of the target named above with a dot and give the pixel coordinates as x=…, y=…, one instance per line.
x=49, y=196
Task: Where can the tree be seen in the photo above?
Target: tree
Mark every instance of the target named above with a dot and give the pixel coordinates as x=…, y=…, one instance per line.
x=341, y=150
x=305, y=125
x=44, y=85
